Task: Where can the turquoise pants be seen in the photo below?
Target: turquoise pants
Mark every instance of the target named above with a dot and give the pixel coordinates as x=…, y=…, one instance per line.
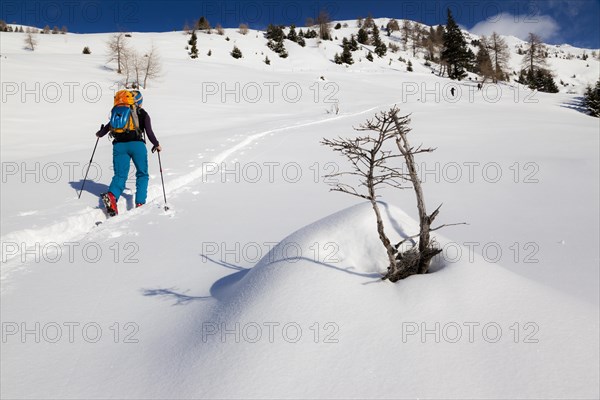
x=123, y=154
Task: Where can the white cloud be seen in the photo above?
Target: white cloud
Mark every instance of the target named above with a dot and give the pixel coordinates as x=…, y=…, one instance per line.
x=518, y=25
x=570, y=7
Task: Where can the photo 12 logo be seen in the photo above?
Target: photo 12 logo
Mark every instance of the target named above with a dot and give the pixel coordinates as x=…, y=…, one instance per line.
x=51, y=92
x=71, y=252
x=469, y=332
x=69, y=332
x=270, y=332
x=42, y=12
x=271, y=92
x=253, y=252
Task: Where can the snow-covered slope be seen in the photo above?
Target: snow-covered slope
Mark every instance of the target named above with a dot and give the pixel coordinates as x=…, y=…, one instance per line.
x=142, y=301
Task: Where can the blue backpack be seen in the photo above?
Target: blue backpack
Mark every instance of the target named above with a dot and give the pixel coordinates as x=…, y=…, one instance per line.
x=124, y=114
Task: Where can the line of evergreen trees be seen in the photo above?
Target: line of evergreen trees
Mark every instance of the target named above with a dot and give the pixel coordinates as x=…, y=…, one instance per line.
x=4, y=27
x=348, y=46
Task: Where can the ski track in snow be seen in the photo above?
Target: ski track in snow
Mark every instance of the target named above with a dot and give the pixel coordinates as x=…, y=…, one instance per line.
x=76, y=227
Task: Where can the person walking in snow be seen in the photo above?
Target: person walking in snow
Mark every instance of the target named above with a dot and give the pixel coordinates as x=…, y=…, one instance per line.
x=129, y=145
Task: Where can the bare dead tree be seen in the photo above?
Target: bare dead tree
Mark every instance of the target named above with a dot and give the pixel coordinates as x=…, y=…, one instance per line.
x=117, y=49
x=370, y=161
x=407, y=28
x=426, y=250
x=483, y=60
x=138, y=67
x=535, y=54
x=30, y=41
x=416, y=37
x=243, y=29
x=152, y=65
x=411, y=262
x=392, y=26
x=370, y=164
x=323, y=22
x=128, y=60
x=187, y=30
x=368, y=23
x=499, y=56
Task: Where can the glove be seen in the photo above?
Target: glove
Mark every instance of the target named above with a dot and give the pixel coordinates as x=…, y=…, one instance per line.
x=98, y=134
x=156, y=148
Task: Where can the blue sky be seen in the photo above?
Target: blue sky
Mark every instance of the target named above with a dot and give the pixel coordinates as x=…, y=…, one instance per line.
x=557, y=21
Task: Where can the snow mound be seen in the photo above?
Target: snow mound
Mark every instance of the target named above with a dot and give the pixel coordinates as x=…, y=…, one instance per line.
x=291, y=313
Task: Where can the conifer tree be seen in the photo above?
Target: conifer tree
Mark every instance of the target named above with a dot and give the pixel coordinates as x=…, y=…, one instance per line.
x=292, y=35
x=353, y=43
x=310, y=34
x=591, y=100
x=192, y=42
x=470, y=64
x=202, y=24
x=455, y=53
x=236, y=52
x=363, y=36
x=276, y=37
x=346, y=57
x=544, y=82
x=380, y=47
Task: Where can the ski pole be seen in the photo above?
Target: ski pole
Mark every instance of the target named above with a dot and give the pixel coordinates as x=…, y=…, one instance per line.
x=162, y=179
x=88, y=168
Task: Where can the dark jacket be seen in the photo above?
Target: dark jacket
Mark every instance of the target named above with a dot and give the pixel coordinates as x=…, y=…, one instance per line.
x=145, y=126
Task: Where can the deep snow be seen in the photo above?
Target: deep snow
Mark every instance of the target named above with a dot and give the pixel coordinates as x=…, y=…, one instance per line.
x=174, y=281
